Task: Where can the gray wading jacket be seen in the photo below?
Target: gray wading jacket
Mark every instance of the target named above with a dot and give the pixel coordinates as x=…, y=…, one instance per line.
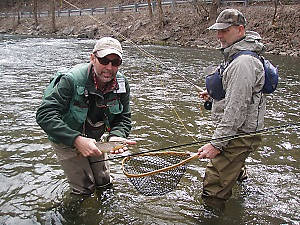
x=244, y=106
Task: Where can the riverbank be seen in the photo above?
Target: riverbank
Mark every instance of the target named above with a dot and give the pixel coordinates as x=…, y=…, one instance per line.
x=184, y=27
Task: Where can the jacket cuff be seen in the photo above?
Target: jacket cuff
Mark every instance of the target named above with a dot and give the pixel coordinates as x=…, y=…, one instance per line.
x=109, y=136
x=220, y=148
x=116, y=133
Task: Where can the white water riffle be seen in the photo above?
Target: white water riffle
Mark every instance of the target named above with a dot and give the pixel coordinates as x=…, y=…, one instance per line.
x=34, y=190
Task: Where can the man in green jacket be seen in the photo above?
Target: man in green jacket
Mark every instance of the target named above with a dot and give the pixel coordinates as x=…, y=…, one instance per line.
x=79, y=106
x=240, y=110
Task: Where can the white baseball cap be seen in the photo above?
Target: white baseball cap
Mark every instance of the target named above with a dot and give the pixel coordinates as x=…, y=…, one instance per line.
x=106, y=46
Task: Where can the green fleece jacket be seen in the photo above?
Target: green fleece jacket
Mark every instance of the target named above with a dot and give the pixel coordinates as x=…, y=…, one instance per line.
x=60, y=108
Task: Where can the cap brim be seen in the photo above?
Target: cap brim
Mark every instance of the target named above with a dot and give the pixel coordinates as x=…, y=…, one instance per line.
x=219, y=26
x=103, y=53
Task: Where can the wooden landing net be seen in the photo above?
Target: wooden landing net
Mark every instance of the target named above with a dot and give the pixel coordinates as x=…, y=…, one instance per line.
x=155, y=174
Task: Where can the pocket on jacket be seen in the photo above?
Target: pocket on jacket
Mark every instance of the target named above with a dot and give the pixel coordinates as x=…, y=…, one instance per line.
x=115, y=106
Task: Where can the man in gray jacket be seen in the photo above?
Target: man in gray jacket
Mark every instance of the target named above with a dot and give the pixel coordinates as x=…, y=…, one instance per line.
x=240, y=110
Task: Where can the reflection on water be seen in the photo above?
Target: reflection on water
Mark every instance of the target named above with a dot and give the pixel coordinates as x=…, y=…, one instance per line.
x=33, y=187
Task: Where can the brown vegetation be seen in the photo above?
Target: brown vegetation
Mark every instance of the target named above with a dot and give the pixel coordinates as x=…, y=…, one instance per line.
x=184, y=25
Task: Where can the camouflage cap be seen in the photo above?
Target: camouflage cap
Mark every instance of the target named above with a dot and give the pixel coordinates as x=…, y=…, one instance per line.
x=227, y=18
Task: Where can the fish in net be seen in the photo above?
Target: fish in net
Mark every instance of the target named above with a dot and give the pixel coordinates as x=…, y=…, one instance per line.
x=155, y=174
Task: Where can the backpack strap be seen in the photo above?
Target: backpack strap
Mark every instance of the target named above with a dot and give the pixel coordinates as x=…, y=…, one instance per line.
x=244, y=52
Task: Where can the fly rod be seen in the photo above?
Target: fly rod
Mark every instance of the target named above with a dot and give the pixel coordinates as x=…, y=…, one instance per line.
x=220, y=139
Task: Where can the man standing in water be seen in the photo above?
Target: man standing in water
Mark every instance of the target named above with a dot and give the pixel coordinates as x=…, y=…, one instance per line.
x=79, y=106
x=238, y=107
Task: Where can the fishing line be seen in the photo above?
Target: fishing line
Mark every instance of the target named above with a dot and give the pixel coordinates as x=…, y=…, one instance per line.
x=218, y=140
x=138, y=47
x=156, y=60
x=165, y=179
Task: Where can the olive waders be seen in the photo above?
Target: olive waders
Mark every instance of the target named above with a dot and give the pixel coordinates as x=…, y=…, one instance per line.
x=223, y=171
x=83, y=175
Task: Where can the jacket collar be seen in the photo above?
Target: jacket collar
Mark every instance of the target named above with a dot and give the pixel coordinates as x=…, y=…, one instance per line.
x=250, y=42
x=92, y=86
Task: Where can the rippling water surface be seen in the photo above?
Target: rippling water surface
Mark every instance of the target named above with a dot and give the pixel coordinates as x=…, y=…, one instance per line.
x=166, y=112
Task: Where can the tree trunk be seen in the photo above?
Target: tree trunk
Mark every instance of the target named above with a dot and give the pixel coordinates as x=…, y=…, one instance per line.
x=52, y=12
x=19, y=12
x=275, y=12
x=160, y=14
x=214, y=10
x=150, y=9
x=36, y=23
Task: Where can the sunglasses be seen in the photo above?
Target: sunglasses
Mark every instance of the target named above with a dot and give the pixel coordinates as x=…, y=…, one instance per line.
x=105, y=61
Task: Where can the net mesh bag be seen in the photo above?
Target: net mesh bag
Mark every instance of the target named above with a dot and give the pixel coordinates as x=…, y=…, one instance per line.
x=155, y=174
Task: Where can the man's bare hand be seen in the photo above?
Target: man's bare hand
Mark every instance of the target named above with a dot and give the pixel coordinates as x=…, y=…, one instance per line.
x=208, y=151
x=87, y=146
x=204, y=95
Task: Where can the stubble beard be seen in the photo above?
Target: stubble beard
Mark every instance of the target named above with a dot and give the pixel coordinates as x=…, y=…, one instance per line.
x=103, y=76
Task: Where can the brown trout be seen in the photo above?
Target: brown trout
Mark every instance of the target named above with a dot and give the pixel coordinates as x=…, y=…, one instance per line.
x=109, y=146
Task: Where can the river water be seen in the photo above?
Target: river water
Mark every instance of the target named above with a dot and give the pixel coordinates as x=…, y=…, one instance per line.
x=166, y=112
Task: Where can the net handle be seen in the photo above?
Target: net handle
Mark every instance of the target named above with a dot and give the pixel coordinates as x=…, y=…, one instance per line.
x=159, y=170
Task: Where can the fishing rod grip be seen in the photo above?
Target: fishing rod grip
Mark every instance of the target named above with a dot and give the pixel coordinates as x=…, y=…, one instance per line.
x=198, y=88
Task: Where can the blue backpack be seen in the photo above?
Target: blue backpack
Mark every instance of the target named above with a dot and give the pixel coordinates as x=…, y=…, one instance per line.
x=214, y=84
x=271, y=72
